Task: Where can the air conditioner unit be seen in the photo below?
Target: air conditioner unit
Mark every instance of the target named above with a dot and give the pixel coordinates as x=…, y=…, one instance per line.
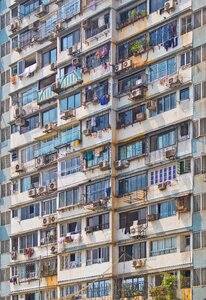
x=53, y=219
x=170, y=154
x=75, y=48
x=53, y=66
x=68, y=114
x=50, y=158
x=136, y=94
x=121, y=164
x=151, y=105
x=138, y=263
x=118, y=68
x=20, y=122
x=52, y=36
x=86, y=24
x=174, y=81
x=162, y=186
x=169, y=5
x=140, y=117
x=32, y=193
x=41, y=11
x=68, y=239
x=135, y=229
x=87, y=132
x=53, y=186
x=14, y=26
x=19, y=167
x=89, y=229
x=46, y=221
x=76, y=61
x=127, y=64
x=53, y=249
x=49, y=127
x=19, y=112
x=40, y=161
x=42, y=190
x=56, y=87
x=104, y=165
x=153, y=217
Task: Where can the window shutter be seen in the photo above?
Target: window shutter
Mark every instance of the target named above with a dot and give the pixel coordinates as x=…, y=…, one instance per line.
x=187, y=166
x=197, y=166
x=196, y=132
x=179, y=167
x=20, y=66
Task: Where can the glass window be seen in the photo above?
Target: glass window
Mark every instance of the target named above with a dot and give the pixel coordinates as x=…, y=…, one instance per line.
x=49, y=207
x=69, y=40
x=99, y=222
x=131, y=150
x=186, y=24
x=29, y=212
x=157, y=4
x=30, y=124
x=70, y=197
x=49, y=116
x=29, y=240
x=165, y=35
x=49, y=57
x=98, y=123
x=94, y=157
x=131, y=184
x=29, y=96
x=30, y=182
x=69, y=135
x=184, y=94
x=163, y=69
x=140, y=9
x=98, y=190
x=70, y=166
x=98, y=289
x=70, y=102
x=49, y=177
x=185, y=58
x=163, y=140
x=163, y=174
x=28, y=153
x=164, y=246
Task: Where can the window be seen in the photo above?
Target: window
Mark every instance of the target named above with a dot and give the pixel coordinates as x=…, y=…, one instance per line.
x=5, y=105
x=70, y=134
x=197, y=19
x=48, y=236
x=70, y=102
x=162, y=140
x=156, y=5
x=70, y=261
x=5, y=162
x=70, y=9
x=126, y=15
x=128, y=285
x=199, y=202
x=5, y=49
x=29, y=96
x=199, y=54
x=97, y=256
x=70, y=197
x=130, y=252
x=164, y=210
x=98, y=289
x=131, y=184
x=49, y=207
x=5, y=246
x=131, y=82
x=3, y=21
x=5, y=274
x=199, y=277
x=6, y=189
x=99, y=222
x=49, y=57
x=28, y=7
x=49, y=116
x=46, y=146
x=29, y=212
x=186, y=24
x=70, y=290
x=49, y=177
x=184, y=166
x=166, y=35
x=49, y=294
x=69, y=40
x=98, y=123
x=70, y=166
x=94, y=157
x=185, y=59
x=94, y=59
x=5, y=134
x=164, y=104
x=129, y=117
x=98, y=190
x=185, y=94
x=97, y=25
x=5, y=77
x=163, y=175
x=200, y=165
x=49, y=267
x=70, y=228
x=5, y=218
x=30, y=124
x=28, y=153
x=164, y=246
x=199, y=239
x=29, y=182
x=162, y=69
x=126, y=219
x=29, y=240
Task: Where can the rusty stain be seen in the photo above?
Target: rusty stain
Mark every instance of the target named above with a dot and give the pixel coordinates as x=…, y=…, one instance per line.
x=51, y=281
x=133, y=29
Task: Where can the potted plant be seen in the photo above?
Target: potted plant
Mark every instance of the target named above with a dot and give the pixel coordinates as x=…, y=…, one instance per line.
x=132, y=15
x=137, y=48
x=144, y=12
x=18, y=49
x=167, y=290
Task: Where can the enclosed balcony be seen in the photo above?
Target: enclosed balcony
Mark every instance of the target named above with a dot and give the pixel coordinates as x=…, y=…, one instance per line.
x=45, y=93
x=69, y=80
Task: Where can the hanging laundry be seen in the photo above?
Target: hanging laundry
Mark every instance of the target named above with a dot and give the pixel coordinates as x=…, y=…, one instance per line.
x=127, y=230
x=76, y=143
x=97, y=152
x=103, y=100
x=108, y=192
x=101, y=21
x=89, y=155
x=93, y=122
x=104, y=50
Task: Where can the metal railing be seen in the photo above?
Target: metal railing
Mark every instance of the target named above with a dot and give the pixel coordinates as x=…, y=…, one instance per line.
x=45, y=94
x=70, y=79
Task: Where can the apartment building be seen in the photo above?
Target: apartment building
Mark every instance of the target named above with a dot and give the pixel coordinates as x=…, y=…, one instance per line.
x=103, y=150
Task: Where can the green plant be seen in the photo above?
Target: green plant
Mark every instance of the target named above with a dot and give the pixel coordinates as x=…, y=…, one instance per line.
x=137, y=293
x=136, y=47
x=167, y=290
x=132, y=15
x=144, y=12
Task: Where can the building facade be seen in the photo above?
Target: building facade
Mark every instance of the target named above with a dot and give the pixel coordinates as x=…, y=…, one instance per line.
x=103, y=150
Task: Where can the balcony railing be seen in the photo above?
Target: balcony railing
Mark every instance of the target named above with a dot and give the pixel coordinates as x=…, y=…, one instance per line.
x=45, y=94
x=94, y=32
x=67, y=138
x=46, y=149
x=71, y=79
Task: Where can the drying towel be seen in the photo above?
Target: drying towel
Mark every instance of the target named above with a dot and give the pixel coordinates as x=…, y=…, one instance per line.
x=101, y=21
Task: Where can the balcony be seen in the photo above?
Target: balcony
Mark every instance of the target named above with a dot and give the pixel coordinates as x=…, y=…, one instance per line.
x=67, y=81
x=45, y=94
